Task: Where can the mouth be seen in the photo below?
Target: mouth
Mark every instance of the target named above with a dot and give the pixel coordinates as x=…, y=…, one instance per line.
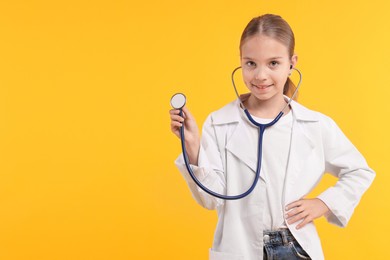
x=262, y=86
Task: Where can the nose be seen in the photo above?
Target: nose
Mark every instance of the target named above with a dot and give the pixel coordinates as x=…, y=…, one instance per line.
x=260, y=74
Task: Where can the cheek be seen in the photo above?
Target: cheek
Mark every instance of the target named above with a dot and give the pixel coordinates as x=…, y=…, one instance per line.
x=280, y=78
x=247, y=75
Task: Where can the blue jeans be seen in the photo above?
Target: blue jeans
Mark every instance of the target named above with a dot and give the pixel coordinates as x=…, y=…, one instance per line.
x=281, y=244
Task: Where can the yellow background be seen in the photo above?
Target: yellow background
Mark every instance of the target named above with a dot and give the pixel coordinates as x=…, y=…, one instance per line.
x=86, y=153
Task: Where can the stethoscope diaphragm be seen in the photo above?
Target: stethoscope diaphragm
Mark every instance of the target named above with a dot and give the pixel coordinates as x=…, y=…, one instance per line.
x=178, y=101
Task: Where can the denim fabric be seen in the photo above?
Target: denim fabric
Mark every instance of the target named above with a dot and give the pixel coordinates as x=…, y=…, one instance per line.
x=281, y=244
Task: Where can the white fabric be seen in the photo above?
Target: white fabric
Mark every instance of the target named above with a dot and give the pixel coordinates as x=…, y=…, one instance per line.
x=227, y=160
x=276, y=148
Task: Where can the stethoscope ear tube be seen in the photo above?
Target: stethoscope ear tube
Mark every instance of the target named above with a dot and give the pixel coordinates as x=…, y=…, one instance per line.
x=289, y=101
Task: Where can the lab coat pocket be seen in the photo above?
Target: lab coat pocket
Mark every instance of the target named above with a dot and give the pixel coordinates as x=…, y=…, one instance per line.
x=215, y=255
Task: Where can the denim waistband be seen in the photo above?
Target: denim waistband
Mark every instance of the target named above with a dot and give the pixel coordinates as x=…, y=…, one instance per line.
x=282, y=236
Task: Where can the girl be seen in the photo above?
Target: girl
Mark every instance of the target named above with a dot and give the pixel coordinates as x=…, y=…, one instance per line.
x=275, y=221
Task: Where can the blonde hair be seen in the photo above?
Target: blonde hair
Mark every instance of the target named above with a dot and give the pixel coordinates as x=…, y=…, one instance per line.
x=276, y=27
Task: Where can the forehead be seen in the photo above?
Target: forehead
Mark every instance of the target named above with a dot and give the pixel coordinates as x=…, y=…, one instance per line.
x=263, y=47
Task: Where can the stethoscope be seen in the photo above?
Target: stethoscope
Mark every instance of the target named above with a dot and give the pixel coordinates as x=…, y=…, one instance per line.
x=178, y=101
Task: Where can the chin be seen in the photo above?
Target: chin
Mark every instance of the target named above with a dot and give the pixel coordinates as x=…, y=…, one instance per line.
x=263, y=97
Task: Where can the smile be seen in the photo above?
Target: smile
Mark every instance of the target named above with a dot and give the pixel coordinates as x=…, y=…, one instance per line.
x=262, y=86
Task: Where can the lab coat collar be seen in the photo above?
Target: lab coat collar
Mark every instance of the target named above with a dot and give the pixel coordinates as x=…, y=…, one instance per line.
x=241, y=143
x=233, y=111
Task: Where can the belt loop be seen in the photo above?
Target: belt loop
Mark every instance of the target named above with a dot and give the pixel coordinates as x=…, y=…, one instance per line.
x=284, y=237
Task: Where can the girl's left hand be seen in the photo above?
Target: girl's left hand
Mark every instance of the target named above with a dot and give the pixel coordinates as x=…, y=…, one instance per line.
x=306, y=210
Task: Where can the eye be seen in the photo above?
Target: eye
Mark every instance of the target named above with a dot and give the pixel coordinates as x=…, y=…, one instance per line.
x=250, y=64
x=274, y=63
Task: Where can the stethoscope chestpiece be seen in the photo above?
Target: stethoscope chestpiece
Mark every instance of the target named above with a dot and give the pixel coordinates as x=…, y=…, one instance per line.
x=178, y=101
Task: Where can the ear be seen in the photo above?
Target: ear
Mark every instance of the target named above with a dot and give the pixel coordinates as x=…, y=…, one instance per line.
x=294, y=60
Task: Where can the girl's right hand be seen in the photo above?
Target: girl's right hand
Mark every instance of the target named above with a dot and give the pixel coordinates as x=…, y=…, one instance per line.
x=190, y=127
x=191, y=132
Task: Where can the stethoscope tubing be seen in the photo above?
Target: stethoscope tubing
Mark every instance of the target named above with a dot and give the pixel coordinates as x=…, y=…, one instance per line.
x=261, y=128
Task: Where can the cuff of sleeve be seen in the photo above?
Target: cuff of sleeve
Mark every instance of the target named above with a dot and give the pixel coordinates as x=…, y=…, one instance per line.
x=199, y=173
x=337, y=214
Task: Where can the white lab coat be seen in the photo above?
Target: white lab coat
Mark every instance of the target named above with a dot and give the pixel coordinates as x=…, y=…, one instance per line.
x=227, y=161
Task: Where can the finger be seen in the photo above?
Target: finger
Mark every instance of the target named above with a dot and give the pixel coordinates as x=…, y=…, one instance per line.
x=174, y=111
x=304, y=222
x=297, y=217
x=294, y=204
x=177, y=118
x=175, y=125
x=176, y=132
x=294, y=212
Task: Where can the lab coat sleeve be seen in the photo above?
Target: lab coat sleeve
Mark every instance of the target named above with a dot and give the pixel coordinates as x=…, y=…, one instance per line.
x=209, y=170
x=344, y=161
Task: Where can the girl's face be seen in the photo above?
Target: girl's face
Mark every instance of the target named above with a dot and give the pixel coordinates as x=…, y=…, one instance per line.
x=265, y=66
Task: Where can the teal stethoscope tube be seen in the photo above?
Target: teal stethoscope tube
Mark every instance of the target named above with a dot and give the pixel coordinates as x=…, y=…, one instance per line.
x=261, y=128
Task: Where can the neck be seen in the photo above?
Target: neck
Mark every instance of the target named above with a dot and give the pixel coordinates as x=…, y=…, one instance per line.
x=266, y=108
